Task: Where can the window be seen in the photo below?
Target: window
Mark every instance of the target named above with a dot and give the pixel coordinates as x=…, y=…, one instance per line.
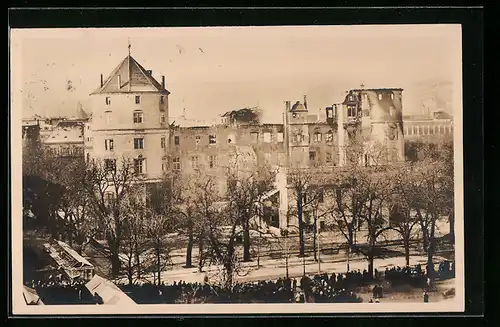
x=380, y=96
x=329, y=137
x=350, y=98
x=211, y=139
x=162, y=99
x=317, y=137
x=299, y=138
x=139, y=166
x=329, y=112
x=279, y=137
x=312, y=155
x=198, y=138
x=177, y=140
x=163, y=167
x=194, y=162
x=212, y=161
x=426, y=130
x=88, y=157
x=328, y=157
x=137, y=99
x=162, y=118
x=139, y=143
x=392, y=96
x=107, y=117
x=138, y=117
x=351, y=111
x=176, y=163
x=321, y=196
x=108, y=101
x=163, y=142
x=108, y=145
x=267, y=137
x=255, y=137
x=110, y=196
x=110, y=164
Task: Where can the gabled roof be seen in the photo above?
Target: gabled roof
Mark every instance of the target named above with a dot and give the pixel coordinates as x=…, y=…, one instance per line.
x=133, y=78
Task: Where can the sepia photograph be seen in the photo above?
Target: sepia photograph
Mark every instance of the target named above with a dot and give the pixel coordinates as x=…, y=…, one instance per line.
x=286, y=169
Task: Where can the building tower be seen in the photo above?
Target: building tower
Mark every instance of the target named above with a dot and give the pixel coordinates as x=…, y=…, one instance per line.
x=373, y=124
x=297, y=134
x=130, y=119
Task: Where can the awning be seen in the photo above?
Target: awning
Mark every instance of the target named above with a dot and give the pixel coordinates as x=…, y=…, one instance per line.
x=109, y=292
x=31, y=297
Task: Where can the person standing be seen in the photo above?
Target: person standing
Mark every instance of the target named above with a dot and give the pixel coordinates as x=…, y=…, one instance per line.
x=426, y=297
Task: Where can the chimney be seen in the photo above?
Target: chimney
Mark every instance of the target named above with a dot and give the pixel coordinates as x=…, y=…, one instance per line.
x=287, y=106
x=119, y=82
x=102, y=81
x=163, y=81
x=305, y=101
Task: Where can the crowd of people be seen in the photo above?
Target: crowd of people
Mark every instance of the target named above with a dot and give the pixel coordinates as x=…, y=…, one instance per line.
x=320, y=288
x=324, y=288
x=61, y=291
x=416, y=276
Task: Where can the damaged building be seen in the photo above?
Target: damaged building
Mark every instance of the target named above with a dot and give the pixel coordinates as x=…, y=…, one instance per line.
x=130, y=117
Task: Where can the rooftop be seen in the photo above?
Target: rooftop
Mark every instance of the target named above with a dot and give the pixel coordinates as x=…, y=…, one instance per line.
x=132, y=78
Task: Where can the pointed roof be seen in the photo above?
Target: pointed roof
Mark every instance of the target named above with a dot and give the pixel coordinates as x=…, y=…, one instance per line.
x=133, y=78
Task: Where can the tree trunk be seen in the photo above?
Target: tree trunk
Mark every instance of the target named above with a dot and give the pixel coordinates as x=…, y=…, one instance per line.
x=138, y=262
x=246, y=241
x=130, y=271
x=451, y=219
x=407, y=252
x=314, y=239
x=158, y=261
x=301, y=225
x=370, y=265
x=430, y=251
x=189, y=250
x=115, y=259
x=200, y=253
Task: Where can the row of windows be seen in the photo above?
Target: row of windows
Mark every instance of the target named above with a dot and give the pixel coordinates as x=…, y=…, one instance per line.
x=427, y=130
x=380, y=95
x=328, y=157
x=139, y=165
x=137, y=118
x=212, y=139
x=317, y=137
x=137, y=100
x=138, y=143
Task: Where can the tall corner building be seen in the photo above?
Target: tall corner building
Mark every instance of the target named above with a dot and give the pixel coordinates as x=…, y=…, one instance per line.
x=130, y=119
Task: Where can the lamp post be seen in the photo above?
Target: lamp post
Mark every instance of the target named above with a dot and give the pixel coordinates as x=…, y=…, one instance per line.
x=318, y=230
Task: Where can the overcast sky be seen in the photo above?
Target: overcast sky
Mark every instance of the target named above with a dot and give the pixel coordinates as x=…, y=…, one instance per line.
x=212, y=70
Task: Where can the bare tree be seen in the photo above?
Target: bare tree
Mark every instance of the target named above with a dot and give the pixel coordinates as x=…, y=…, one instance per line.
x=307, y=191
x=107, y=185
x=163, y=199
x=244, y=196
